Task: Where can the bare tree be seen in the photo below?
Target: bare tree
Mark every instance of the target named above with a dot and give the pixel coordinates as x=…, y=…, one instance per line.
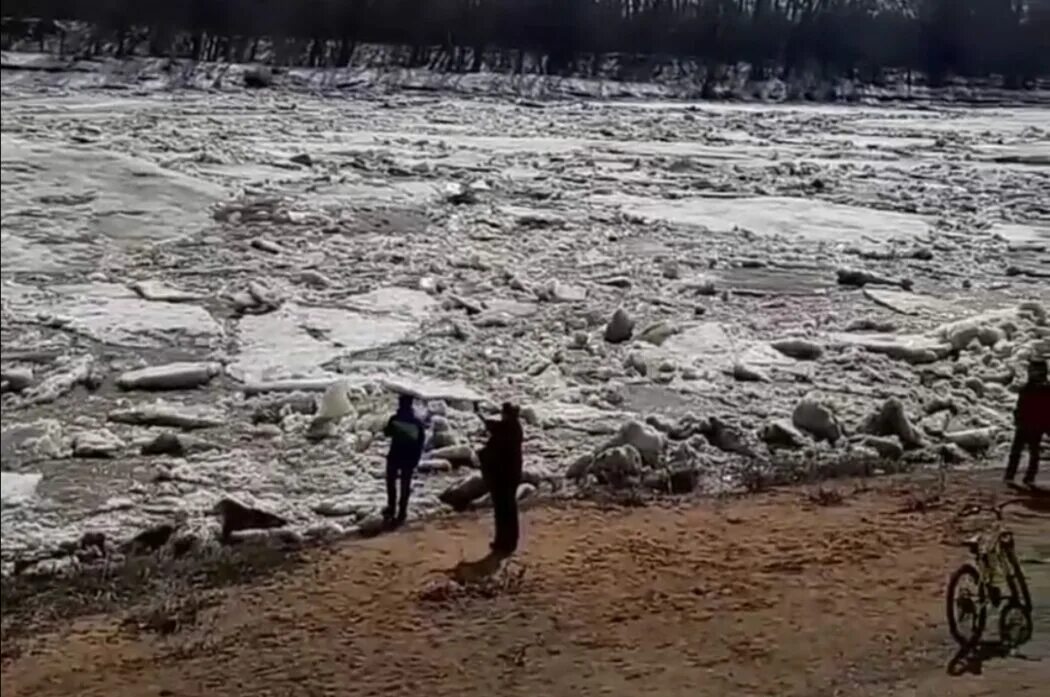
x=858, y=39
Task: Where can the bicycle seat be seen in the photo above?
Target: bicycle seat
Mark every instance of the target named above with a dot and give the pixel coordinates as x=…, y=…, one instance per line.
x=972, y=543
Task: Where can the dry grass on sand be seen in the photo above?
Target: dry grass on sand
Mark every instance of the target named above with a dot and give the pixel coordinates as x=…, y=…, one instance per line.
x=836, y=590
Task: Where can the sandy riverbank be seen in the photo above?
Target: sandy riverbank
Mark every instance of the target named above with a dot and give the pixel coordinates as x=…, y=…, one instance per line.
x=801, y=591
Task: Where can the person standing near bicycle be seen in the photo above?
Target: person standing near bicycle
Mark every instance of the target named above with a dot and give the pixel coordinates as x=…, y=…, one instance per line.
x=1031, y=422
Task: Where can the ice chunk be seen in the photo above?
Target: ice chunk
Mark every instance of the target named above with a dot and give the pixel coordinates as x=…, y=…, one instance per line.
x=16, y=487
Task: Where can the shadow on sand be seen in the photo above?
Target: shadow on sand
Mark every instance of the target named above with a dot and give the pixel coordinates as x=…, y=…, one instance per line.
x=970, y=660
x=475, y=571
x=1034, y=498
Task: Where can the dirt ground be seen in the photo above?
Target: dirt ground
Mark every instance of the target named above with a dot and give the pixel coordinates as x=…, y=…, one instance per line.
x=784, y=593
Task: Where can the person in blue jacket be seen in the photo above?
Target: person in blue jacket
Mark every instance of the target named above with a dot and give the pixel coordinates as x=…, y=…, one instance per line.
x=407, y=435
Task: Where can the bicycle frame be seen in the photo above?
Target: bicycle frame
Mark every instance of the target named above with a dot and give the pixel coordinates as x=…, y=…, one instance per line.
x=995, y=558
x=994, y=563
x=995, y=569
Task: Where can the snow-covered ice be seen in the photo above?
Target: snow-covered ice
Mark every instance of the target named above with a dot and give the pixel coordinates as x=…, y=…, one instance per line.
x=17, y=487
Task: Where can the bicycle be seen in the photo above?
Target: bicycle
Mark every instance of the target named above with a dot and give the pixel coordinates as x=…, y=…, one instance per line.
x=994, y=561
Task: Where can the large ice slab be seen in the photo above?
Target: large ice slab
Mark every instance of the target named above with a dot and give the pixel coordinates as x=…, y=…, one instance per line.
x=62, y=202
x=913, y=348
x=908, y=303
x=776, y=215
x=114, y=314
x=1022, y=233
x=294, y=341
x=709, y=345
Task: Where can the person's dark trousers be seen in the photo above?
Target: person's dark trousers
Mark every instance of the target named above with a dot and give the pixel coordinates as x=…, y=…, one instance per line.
x=505, y=512
x=1022, y=440
x=394, y=472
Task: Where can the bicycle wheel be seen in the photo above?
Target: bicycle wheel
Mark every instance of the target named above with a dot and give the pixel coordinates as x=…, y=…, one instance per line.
x=967, y=614
x=1015, y=625
x=1018, y=584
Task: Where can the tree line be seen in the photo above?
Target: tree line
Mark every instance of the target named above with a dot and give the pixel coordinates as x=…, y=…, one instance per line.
x=858, y=39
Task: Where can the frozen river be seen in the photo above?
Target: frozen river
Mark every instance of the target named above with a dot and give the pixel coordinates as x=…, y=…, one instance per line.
x=482, y=244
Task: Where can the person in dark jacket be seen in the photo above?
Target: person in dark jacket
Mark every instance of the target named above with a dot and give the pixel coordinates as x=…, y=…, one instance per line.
x=501, y=464
x=407, y=436
x=1031, y=422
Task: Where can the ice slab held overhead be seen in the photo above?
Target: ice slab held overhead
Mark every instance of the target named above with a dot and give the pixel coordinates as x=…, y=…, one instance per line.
x=810, y=219
x=431, y=388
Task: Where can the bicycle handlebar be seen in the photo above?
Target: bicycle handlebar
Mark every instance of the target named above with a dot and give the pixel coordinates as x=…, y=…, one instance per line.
x=997, y=509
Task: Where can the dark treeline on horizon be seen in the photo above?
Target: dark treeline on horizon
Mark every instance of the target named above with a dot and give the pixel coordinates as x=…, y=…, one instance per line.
x=859, y=39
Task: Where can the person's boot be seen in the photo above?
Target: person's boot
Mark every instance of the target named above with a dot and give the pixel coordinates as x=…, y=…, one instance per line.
x=1013, y=460
x=1010, y=473
x=389, y=518
x=1034, y=455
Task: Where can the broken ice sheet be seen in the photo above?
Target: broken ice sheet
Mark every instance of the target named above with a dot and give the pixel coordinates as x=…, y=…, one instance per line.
x=16, y=487
x=431, y=388
x=778, y=215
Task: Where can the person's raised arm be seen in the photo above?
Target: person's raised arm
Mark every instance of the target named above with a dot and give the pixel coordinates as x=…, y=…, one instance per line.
x=491, y=425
